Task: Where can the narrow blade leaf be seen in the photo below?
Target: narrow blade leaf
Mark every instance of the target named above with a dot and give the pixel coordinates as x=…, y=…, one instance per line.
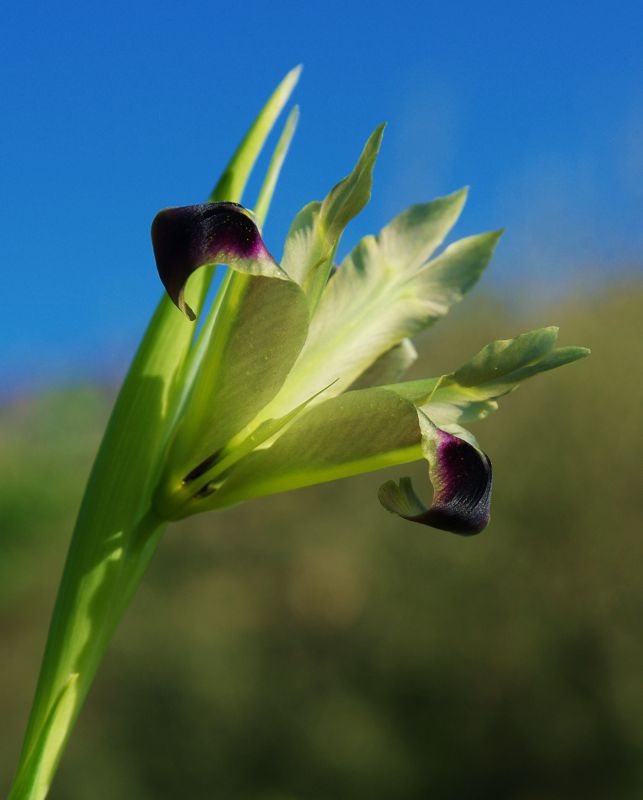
x=232, y=182
x=274, y=168
x=39, y=768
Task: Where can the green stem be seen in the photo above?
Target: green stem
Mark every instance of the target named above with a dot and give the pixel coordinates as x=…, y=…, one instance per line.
x=103, y=569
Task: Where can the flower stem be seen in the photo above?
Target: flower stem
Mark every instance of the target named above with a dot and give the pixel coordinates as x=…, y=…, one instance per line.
x=103, y=569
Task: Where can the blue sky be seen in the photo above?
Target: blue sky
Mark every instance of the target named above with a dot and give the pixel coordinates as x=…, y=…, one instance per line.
x=112, y=111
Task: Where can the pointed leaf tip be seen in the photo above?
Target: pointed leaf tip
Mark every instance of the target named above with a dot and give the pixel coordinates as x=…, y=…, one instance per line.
x=461, y=476
x=188, y=237
x=290, y=79
x=276, y=163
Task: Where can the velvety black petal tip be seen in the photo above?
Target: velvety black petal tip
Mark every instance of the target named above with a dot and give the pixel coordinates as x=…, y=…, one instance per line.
x=462, y=478
x=188, y=237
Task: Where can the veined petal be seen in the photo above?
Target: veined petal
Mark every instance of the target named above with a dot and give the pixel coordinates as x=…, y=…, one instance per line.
x=388, y=368
x=411, y=238
x=304, y=245
x=471, y=392
x=461, y=477
x=254, y=330
x=262, y=327
x=189, y=237
x=359, y=431
x=501, y=365
x=370, y=306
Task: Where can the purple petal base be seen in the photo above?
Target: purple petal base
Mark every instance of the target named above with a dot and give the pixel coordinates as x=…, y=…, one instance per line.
x=461, y=476
x=462, y=479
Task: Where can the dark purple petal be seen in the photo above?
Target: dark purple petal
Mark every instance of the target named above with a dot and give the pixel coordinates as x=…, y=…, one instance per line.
x=461, y=476
x=189, y=237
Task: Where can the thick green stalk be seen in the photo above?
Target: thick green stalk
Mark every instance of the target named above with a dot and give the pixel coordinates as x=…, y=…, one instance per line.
x=113, y=541
x=93, y=596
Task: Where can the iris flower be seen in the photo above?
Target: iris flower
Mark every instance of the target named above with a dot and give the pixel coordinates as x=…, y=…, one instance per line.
x=293, y=378
x=299, y=379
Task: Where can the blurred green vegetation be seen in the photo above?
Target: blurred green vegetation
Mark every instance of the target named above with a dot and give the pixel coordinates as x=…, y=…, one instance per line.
x=311, y=646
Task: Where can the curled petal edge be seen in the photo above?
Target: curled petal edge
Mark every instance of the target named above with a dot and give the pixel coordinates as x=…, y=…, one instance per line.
x=461, y=476
x=186, y=238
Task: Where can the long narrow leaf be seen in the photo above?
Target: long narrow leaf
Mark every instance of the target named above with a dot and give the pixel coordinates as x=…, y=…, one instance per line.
x=274, y=168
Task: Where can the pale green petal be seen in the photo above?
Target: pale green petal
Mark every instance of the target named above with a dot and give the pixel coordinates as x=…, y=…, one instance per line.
x=261, y=331
x=500, y=367
x=458, y=410
x=303, y=244
x=446, y=279
x=417, y=392
x=410, y=239
x=470, y=393
x=351, y=194
x=390, y=367
x=423, y=393
x=317, y=229
x=357, y=432
x=369, y=307
x=495, y=365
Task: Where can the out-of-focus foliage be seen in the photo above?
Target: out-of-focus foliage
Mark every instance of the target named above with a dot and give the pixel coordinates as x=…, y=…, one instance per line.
x=312, y=646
